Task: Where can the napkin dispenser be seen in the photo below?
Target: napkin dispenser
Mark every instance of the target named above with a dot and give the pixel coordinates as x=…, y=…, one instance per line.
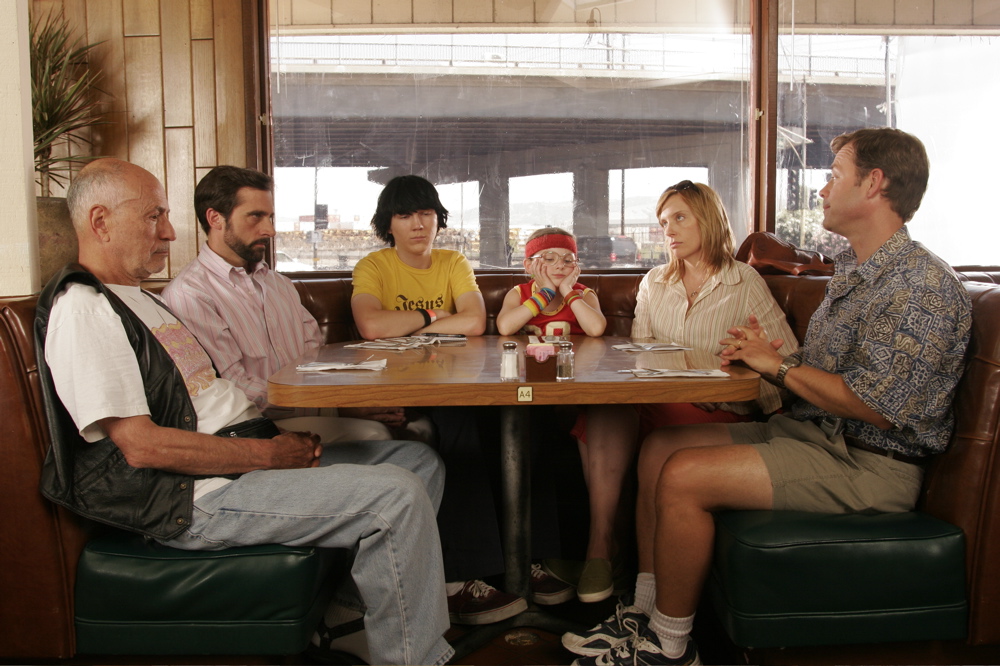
x=539, y=371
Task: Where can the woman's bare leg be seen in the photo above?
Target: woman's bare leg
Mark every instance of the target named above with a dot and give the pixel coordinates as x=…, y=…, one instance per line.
x=612, y=433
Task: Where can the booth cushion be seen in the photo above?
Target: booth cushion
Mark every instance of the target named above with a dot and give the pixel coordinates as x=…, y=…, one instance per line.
x=784, y=578
x=135, y=596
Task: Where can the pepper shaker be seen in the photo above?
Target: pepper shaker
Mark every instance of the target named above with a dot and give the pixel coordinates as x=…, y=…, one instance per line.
x=565, y=362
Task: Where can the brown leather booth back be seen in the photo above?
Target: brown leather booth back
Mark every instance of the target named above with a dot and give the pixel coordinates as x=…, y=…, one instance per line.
x=40, y=542
x=329, y=301
x=963, y=486
x=798, y=297
x=978, y=274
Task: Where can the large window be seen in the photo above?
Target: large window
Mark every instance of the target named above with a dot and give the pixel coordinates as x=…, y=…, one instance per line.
x=518, y=130
x=936, y=87
x=584, y=129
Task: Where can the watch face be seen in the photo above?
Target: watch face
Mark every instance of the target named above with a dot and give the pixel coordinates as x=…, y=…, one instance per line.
x=791, y=362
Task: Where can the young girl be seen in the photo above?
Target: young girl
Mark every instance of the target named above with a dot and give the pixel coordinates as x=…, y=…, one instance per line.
x=553, y=302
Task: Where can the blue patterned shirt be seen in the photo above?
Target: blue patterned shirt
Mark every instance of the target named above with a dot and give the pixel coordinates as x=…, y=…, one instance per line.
x=895, y=329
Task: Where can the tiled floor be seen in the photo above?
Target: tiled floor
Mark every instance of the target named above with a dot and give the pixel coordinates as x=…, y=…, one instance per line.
x=525, y=645
x=530, y=645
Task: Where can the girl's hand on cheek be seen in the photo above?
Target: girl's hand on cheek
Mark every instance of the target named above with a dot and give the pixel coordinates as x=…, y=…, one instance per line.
x=542, y=277
x=567, y=283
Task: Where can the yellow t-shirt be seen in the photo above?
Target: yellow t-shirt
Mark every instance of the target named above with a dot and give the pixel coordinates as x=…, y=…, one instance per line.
x=400, y=287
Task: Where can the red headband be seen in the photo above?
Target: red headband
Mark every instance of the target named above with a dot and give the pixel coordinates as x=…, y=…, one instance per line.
x=548, y=242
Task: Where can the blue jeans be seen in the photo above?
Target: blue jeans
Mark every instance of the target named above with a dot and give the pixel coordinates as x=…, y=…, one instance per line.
x=378, y=498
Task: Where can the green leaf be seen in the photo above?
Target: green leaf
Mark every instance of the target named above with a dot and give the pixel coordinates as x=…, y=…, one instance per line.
x=63, y=96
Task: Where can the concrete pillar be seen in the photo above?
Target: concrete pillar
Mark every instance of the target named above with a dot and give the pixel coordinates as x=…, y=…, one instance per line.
x=590, y=202
x=494, y=220
x=18, y=234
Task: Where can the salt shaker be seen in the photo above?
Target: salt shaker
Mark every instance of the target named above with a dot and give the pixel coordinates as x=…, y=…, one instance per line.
x=565, y=362
x=509, y=371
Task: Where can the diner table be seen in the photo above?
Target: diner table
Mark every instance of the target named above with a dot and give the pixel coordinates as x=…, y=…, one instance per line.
x=468, y=374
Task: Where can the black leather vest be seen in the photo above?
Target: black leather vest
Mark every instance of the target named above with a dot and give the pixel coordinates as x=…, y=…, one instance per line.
x=93, y=479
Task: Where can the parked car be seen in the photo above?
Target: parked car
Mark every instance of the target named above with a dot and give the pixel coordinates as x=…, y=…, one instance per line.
x=285, y=264
x=606, y=251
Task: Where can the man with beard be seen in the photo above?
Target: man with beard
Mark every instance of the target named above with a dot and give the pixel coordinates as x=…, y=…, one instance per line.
x=247, y=316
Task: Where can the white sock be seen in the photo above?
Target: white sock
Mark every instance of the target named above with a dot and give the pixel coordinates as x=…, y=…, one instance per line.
x=453, y=588
x=645, y=592
x=673, y=632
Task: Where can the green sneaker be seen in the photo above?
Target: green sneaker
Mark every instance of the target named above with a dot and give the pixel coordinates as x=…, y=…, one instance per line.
x=596, y=582
x=568, y=571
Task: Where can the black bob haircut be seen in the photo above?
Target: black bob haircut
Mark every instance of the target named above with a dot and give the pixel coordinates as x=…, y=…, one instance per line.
x=218, y=190
x=402, y=195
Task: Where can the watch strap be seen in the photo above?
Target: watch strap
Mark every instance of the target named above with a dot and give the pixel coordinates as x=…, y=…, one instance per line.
x=787, y=364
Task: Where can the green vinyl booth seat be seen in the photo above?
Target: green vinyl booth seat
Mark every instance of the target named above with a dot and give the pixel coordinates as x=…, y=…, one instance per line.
x=791, y=578
x=136, y=596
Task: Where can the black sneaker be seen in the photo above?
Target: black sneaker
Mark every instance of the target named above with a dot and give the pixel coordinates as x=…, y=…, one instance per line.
x=642, y=649
x=626, y=622
x=548, y=590
x=480, y=603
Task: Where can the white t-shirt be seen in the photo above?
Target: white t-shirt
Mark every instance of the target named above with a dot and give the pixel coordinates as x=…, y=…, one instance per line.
x=96, y=374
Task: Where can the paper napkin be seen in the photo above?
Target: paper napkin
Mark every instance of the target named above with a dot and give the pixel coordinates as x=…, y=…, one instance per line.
x=318, y=366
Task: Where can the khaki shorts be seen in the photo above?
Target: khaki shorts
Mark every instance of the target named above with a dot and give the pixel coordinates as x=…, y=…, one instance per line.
x=812, y=472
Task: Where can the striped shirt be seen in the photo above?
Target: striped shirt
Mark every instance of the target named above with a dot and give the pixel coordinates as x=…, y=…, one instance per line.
x=251, y=324
x=727, y=299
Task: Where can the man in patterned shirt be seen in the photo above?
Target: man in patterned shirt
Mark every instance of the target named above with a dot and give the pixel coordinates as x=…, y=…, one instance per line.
x=873, y=386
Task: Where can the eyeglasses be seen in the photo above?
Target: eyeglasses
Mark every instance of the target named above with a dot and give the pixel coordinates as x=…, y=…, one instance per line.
x=553, y=258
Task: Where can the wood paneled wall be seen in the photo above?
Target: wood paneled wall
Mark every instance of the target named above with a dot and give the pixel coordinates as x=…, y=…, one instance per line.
x=175, y=76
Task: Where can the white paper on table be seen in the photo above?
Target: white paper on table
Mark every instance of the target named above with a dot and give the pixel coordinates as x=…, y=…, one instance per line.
x=648, y=373
x=386, y=345
x=650, y=347
x=319, y=366
x=408, y=342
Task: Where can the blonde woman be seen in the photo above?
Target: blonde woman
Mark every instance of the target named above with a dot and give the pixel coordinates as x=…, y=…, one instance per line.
x=692, y=300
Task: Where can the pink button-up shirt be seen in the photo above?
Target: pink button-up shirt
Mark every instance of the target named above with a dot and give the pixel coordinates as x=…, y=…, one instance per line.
x=251, y=324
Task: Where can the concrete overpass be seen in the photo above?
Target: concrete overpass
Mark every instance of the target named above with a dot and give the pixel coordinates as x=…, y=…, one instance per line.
x=498, y=123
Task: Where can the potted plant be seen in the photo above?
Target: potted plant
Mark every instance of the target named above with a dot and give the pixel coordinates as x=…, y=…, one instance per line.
x=62, y=97
x=63, y=104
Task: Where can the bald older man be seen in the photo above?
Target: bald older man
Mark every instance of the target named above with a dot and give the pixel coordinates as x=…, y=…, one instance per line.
x=184, y=457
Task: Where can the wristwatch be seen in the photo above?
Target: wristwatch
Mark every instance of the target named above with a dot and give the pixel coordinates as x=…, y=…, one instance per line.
x=787, y=364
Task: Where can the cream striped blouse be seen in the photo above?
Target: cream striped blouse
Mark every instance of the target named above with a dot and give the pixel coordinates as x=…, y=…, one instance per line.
x=727, y=299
